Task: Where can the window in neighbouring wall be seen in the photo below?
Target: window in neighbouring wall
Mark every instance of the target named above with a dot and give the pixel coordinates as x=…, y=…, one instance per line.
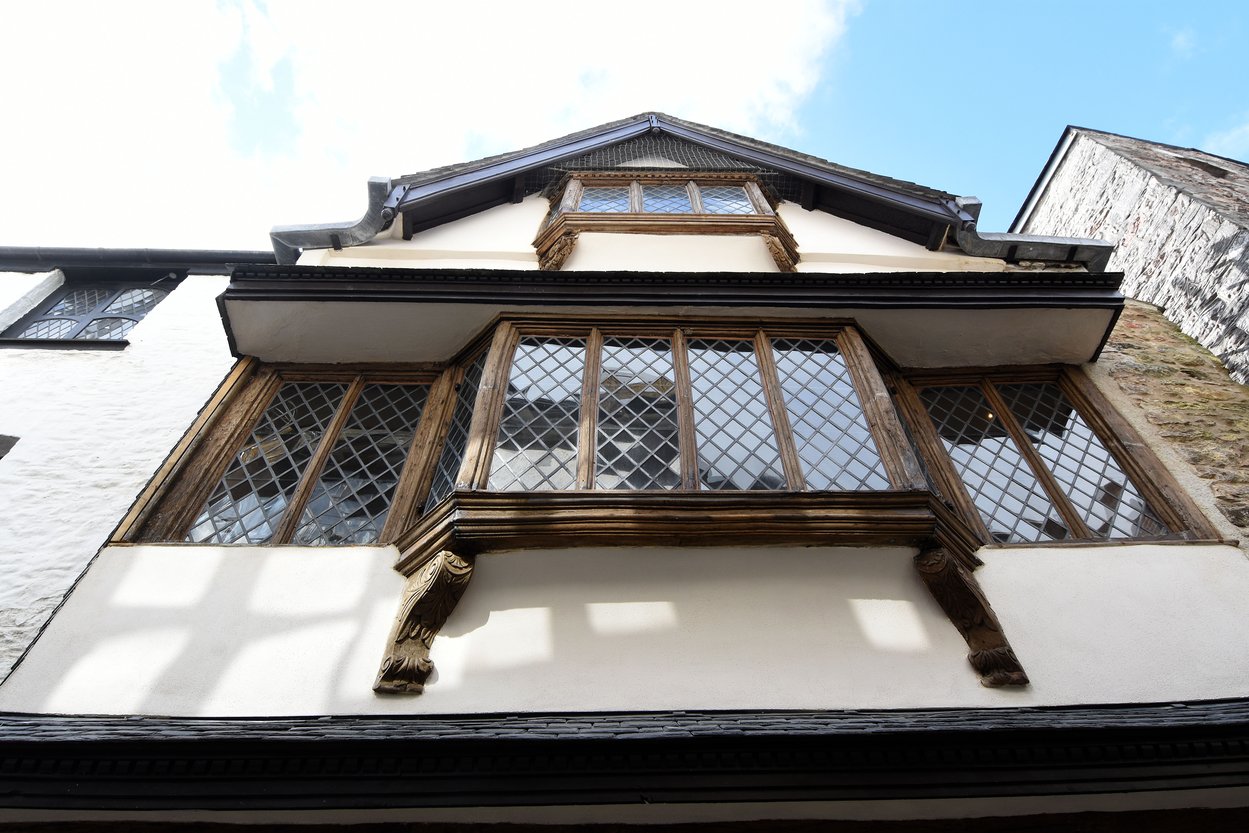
x=89, y=312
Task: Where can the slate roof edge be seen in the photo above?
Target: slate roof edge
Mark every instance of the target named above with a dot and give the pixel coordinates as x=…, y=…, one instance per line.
x=1232, y=713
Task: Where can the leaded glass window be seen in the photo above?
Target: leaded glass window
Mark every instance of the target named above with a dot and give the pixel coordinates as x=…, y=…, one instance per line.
x=457, y=434
x=612, y=199
x=1034, y=467
x=642, y=396
x=536, y=447
x=320, y=466
x=89, y=312
x=637, y=444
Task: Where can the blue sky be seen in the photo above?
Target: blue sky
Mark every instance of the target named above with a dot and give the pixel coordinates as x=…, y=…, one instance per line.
x=202, y=123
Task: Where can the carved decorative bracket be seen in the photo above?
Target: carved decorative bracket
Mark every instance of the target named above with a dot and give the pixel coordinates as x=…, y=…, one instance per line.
x=960, y=596
x=431, y=594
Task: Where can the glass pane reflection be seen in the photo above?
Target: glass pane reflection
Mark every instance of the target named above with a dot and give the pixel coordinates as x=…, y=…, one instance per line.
x=637, y=445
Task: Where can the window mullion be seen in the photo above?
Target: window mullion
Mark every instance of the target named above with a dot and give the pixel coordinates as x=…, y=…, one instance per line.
x=303, y=490
x=696, y=198
x=757, y=198
x=587, y=444
x=1076, y=524
x=938, y=458
x=685, y=413
x=418, y=469
x=895, y=449
x=571, y=199
x=635, y=197
x=780, y=416
x=483, y=430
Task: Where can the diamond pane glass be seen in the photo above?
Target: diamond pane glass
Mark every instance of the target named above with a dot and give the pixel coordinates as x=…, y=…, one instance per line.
x=834, y=443
x=666, y=199
x=614, y=199
x=637, y=445
x=80, y=301
x=248, y=503
x=1000, y=482
x=457, y=434
x=49, y=328
x=537, y=443
x=736, y=441
x=1089, y=476
x=725, y=199
x=136, y=302
x=351, y=498
x=107, y=329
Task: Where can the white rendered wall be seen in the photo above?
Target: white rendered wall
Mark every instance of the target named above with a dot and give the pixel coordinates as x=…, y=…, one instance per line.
x=93, y=425
x=197, y=630
x=502, y=238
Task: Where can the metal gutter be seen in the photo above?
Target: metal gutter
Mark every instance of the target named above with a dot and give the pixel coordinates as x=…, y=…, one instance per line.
x=1094, y=255
x=289, y=241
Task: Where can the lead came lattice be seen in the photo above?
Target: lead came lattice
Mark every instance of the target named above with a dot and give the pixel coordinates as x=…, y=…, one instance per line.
x=1090, y=477
x=537, y=443
x=1013, y=504
x=248, y=503
x=352, y=495
x=453, y=449
x=834, y=443
x=637, y=444
x=666, y=199
x=736, y=442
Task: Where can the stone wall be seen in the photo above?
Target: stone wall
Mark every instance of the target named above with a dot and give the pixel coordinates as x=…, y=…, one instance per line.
x=1186, y=394
x=1174, y=250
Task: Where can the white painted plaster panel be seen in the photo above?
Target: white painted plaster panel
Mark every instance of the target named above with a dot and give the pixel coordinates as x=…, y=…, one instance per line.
x=317, y=331
x=832, y=244
x=253, y=631
x=596, y=251
x=497, y=238
x=93, y=427
x=20, y=293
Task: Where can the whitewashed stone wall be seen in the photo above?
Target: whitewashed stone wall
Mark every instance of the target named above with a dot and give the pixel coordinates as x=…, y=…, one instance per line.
x=1174, y=250
x=93, y=426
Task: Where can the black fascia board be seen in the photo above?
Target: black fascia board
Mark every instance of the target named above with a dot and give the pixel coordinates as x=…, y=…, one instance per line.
x=42, y=259
x=511, y=167
x=534, y=759
x=900, y=290
x=430, y=198
x=936, y=211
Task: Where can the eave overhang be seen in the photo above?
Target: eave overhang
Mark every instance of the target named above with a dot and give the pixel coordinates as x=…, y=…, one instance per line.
x=912, y=212
x=487, y=760
x=918, y=319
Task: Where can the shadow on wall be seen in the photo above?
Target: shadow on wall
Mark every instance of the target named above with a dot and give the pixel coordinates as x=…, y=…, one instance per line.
x=255, y=631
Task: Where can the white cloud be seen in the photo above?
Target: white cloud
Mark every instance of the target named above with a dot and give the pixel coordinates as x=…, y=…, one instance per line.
x=1232, y=143
x=1183, y=43
x=123, y=118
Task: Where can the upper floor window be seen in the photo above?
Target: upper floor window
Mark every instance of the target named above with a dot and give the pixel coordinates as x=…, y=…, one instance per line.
x=326, y=455
x=1034, y=461
x=662, y=203
x=89, y=312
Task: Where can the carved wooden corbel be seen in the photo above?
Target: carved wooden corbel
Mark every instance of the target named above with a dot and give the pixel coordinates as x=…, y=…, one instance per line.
x=432, y=592
x=960, y=596
x=551, y=259
x=786, y=257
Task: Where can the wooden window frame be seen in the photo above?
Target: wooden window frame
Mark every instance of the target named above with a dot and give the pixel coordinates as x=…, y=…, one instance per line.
x=902, y=467
x=169, y=507
x=1146, y=472
x=558, y=236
